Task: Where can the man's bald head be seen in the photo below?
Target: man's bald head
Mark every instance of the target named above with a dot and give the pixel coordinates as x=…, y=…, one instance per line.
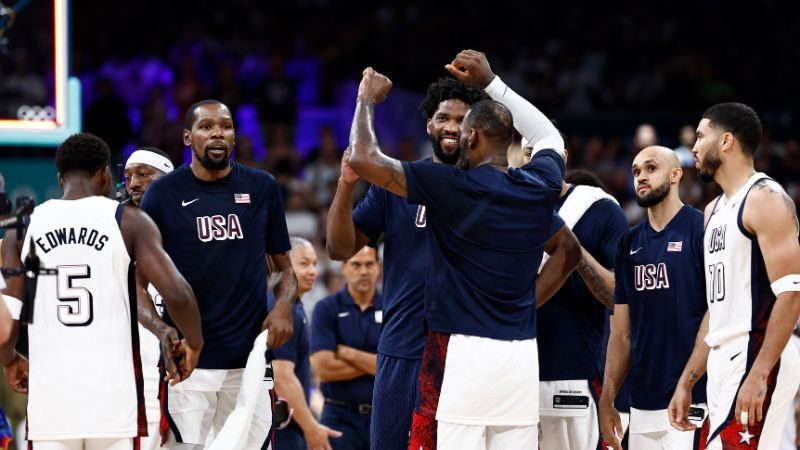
x=655, y=170
x=661, y=154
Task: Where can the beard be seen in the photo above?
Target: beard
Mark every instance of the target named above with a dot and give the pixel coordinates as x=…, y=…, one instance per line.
x=212, y=164
x=654, y=197
x=441, y=155
x=709, y=165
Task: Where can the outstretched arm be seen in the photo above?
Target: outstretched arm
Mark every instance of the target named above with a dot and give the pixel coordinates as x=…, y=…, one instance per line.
x=143, y=238
x=472, y=68
x=366, y=158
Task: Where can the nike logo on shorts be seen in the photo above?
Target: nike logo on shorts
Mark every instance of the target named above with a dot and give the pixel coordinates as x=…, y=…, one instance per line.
x=734, y=356
x=189, y=202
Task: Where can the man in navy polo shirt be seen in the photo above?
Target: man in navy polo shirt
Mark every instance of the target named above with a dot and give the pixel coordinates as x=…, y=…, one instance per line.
x=346, y=328
x=292, y=365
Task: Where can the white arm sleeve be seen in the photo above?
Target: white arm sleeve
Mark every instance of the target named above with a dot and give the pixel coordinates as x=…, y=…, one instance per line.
x=531, y=123
x=13, y=305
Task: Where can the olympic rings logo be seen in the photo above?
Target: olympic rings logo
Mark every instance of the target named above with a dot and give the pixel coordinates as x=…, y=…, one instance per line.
x=36, y=113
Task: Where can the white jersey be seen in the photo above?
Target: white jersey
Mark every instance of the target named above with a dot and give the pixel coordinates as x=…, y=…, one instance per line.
x=85, y=374
x=738, y=291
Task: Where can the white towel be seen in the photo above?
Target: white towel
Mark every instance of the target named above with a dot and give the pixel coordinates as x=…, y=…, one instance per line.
x=233, y=434
x=575, y=206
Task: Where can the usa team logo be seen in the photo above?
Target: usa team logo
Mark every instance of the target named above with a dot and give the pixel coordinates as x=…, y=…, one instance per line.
x=241, y=198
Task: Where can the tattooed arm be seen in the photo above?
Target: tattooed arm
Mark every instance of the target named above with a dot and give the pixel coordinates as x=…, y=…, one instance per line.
x=598, y=279
x=770, y=215
x=366, y=158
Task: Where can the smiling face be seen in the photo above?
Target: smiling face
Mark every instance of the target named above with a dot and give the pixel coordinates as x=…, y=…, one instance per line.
x=444, y=129
x=212, y=136
x=304, y=264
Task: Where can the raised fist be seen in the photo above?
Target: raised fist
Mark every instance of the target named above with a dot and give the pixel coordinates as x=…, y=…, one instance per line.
x=374, y=87
x=471, y=68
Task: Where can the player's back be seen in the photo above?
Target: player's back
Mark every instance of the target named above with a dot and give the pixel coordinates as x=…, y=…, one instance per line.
x=487, y=230
x=84, y=369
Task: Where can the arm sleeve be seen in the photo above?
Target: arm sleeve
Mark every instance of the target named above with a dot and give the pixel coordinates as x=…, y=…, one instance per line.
x=370, y=214
x=276, y=234
x=531, y=123
x=620, y=263
x=323, y=327
x=434, y=185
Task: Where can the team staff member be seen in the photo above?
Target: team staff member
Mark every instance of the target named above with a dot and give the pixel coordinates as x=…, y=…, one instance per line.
x=346, y=328
x=292, y=365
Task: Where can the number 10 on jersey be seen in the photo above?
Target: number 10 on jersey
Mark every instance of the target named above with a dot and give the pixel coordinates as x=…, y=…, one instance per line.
x=715, y=280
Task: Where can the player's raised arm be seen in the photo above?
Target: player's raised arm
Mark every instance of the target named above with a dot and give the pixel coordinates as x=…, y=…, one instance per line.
x=366, y=158
x=144, y=239
x=344, y=239
x=771, y=216
x=279, y=321
x=472, y=68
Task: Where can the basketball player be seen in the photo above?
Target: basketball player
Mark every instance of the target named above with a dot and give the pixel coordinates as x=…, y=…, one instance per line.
x=144, y=166
x=85, y=373
x=219, y=220
x=752, y=271
x=492, y=222
x=573, y=321
x=659, y=308
x=405, y=263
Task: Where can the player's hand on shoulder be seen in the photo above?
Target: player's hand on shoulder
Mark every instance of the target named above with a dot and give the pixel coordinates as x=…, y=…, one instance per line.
x=348, y=174
x=280, y=324
x=374, y=86
x=678, y=409
x=471, y=68
x=17, y=374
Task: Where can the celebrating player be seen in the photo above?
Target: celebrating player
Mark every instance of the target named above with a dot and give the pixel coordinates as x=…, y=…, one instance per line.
x=493, y=223
x=659, y=308
x=752, y=271
x=85, y=372
x=219, y=220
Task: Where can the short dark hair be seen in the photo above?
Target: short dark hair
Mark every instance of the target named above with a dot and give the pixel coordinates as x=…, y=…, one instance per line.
x=82, y=152
x=493, y=119
x=155, y=150
x=580, y=177
x=740, y=120
x=447, y=88
x=188, y=120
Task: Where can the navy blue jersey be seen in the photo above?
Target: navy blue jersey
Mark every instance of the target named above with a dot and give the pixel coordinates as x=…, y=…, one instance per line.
x=660, y=277
x=218, y=234
x=486, y=234
x=405, y=266
x=298, y=348
x=337, y=319
x=571, y=324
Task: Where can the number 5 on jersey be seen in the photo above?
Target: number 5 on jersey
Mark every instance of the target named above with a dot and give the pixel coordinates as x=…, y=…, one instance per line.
x=75, y=307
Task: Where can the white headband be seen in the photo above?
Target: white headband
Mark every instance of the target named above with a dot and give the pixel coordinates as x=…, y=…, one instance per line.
x=151, y=159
